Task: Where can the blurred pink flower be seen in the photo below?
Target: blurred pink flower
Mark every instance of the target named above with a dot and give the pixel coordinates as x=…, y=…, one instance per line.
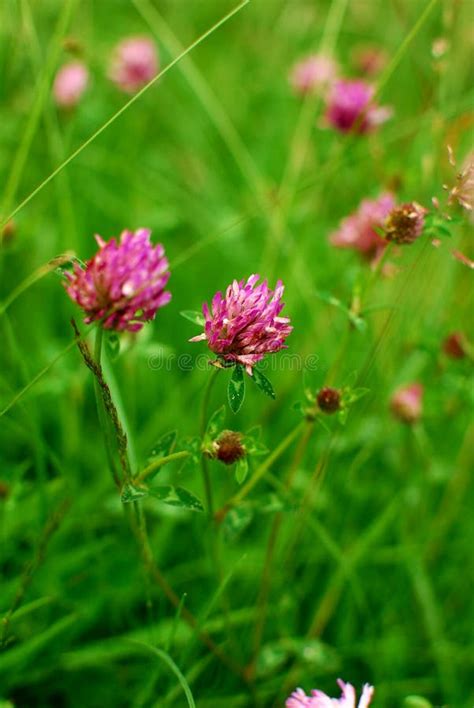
x=134, y=64
x=244, y=325
x=357, y=231
x=407, y=403
x=70, y=83
x=318, y=699
x=350, y=107
x=123, y=285
x=310, y=74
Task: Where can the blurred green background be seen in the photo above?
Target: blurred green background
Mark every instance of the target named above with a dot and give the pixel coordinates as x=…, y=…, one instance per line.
x=235, y=174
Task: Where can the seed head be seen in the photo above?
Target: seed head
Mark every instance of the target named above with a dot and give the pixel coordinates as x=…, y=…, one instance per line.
x=329, y=400
x=405, y=223
x=229, y=447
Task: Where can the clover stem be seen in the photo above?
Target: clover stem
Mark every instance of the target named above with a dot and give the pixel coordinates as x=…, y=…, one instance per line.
x=153, y=466
x=202, y=429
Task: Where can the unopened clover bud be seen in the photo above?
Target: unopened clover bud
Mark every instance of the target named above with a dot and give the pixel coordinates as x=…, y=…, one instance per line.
x=454, y=345
x=229, y=447
x=405, y=223
x=8, y=232
x=329, y=400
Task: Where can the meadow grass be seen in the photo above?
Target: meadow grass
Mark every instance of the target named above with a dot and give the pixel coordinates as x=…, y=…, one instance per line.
x=347, y=551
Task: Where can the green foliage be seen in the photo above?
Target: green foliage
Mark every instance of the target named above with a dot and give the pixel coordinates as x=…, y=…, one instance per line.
x=194, y=317
x=236, y=389
x=262, y=382
x=177, y=496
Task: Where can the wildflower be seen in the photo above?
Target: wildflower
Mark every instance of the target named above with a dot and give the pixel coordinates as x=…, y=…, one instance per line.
x=454, y=345
x=407, y=404
x=318, y=699
x=134, y=64
x=405, y=223
x=70, y=83
x=358, y=231
x=329, y=400
x=370, y=60
x=123, y=285
x=313, y=73
x=228, y=448
x=350, y=107
x=244, y=325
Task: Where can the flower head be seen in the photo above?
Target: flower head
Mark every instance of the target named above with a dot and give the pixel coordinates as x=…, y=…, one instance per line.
x=329, y=400
x=405, y=223
x=318, y=699
x=407, y=403
x=228, y=447
x=123, y=285
x=244, y=324
x=350, y=107
x=357, y=231
x=70, y=83
x=134, y=64
x=312, y=73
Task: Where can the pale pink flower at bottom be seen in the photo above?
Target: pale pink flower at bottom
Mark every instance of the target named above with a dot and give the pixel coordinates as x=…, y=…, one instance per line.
x=318, y=699
x=297, y=699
